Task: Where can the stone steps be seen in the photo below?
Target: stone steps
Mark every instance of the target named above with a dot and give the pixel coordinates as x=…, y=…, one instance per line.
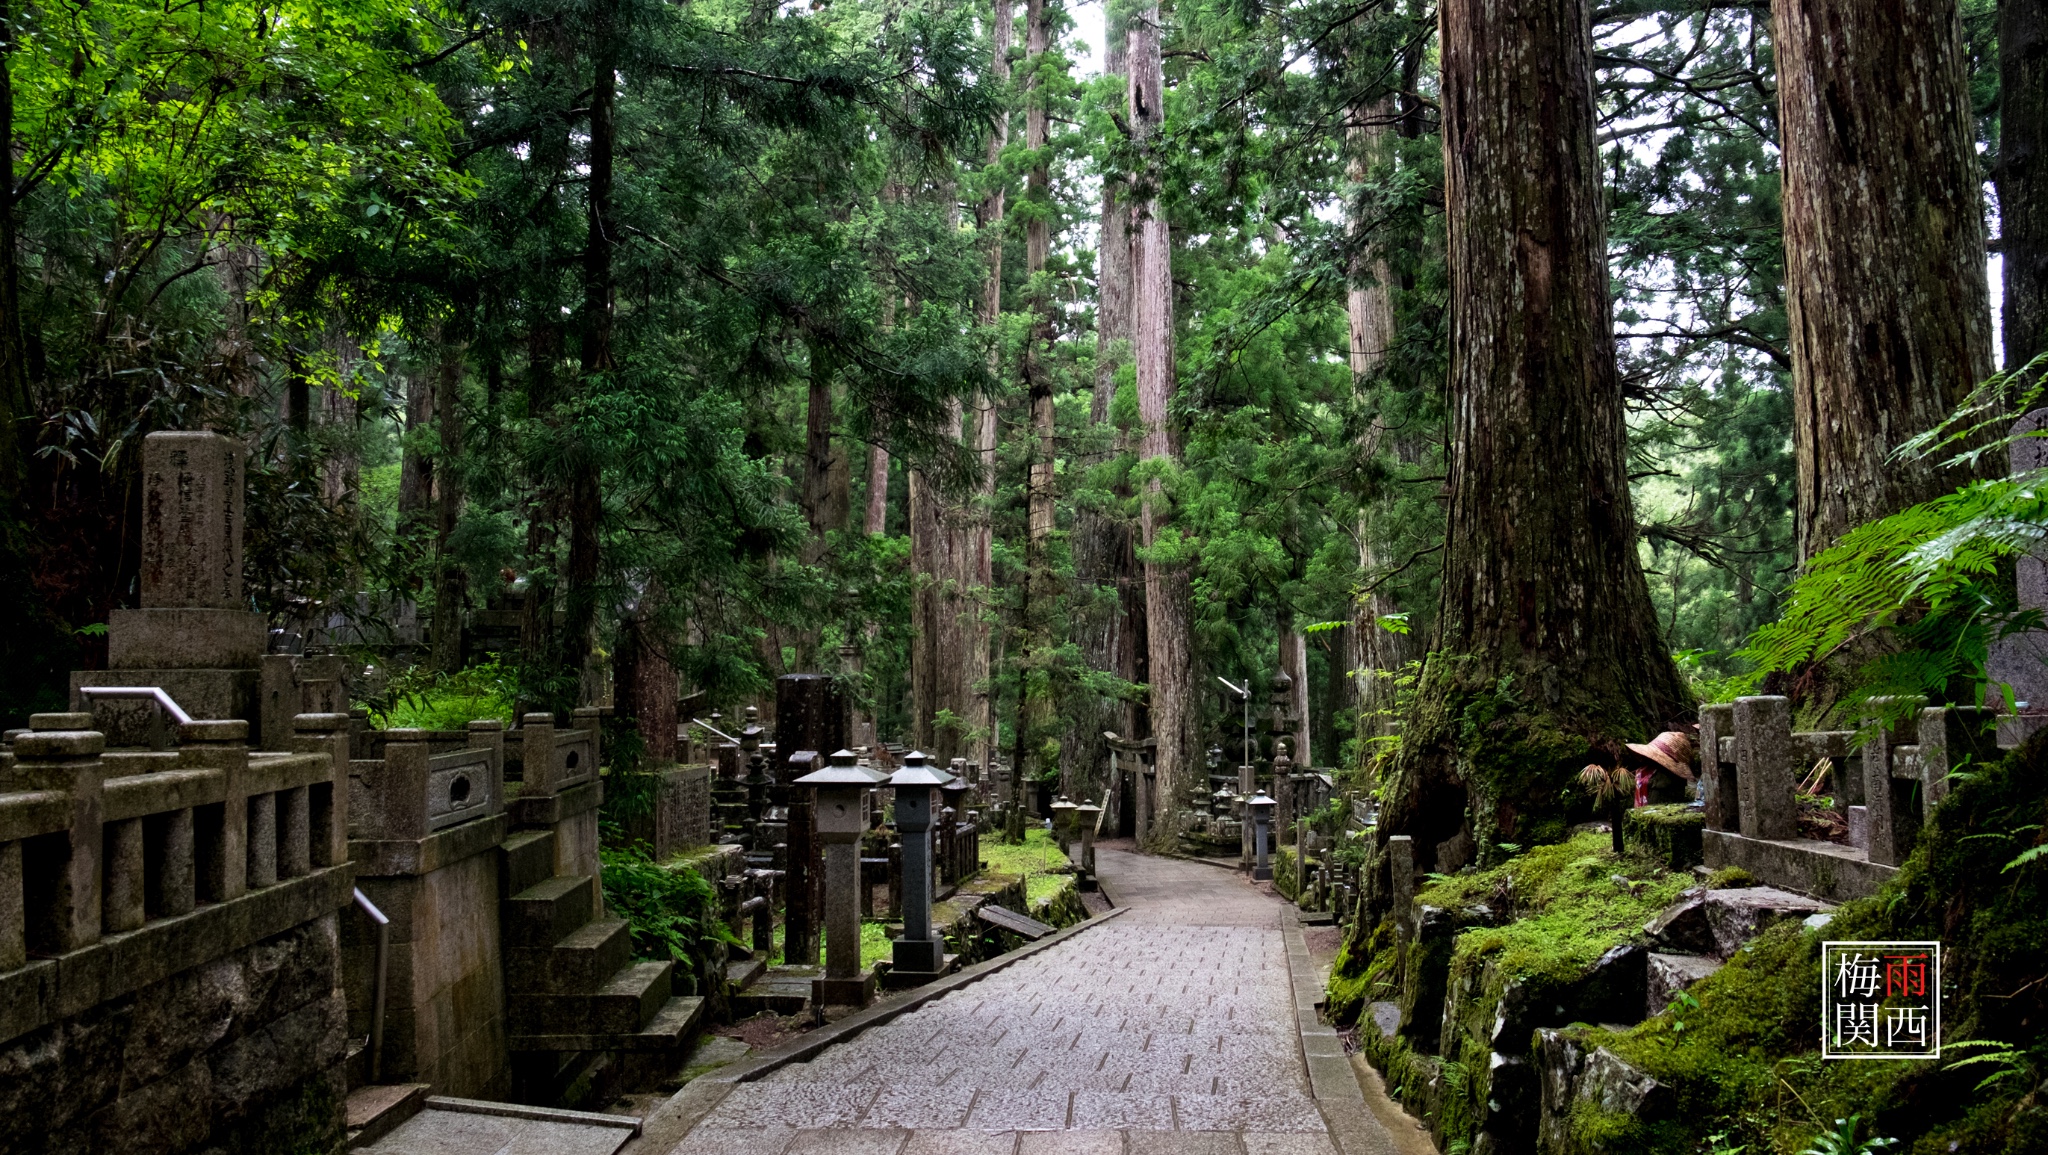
x=582, y=960
x=628, y=999
x=374, y=1111
x=546, y=913
x=669, y=1029
x=529, y=860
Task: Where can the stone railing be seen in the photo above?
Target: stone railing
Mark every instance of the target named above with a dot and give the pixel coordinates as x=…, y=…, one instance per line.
x=120, y=868
x=1887, y=778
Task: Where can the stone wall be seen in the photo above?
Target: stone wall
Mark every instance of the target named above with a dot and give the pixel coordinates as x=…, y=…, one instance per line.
x=240, y=1054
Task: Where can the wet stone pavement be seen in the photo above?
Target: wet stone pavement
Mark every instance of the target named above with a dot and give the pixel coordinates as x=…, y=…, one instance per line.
x=1169, y=1029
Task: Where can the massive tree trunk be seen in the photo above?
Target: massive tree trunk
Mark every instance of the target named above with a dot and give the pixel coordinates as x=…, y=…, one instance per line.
x=949, y=544
x=1546, y=646
x=415, y=462
x=14, y=401
x=585, y=496
x=1375, y=652
x=1171, y=658
x=1106, y=609
x=827, y=496
x=1034, y=704
x=876, y=517
x=1294, y=664
x=449, y=579
x=2023, y=176
x=1884, y=250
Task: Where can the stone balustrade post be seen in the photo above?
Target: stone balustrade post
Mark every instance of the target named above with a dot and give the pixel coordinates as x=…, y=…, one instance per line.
x=591, y=718
x=1401, y=871
x=489, y=734
x=327, y=808
x=170, y=872
x=294, y=832
x=1953, y=738
x=1718, y=791
x=393, y=801
x=537, y=732
x=1763, y=767
x=222, y=836
x=61, y=895
x=121, y=872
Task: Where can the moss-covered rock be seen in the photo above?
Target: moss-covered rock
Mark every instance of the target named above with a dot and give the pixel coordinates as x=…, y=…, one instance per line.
x=1669, y=836
x=1743, y=1062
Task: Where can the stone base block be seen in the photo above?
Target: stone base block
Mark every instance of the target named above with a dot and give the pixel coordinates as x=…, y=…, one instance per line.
x=917, y=956
x=853, y=992
x=1824, y=870
x=186, y=639
x=203, y=693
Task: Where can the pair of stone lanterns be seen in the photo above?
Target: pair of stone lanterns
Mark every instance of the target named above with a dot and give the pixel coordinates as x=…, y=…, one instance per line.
x=843, y=788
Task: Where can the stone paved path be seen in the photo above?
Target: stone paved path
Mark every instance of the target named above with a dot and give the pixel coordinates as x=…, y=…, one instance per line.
x=1168, y=1030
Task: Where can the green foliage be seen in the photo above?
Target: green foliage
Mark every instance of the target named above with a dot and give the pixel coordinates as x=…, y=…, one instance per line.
x=1916, y=599
x=1842, y=1140
x=423, y=699
x=672, y=910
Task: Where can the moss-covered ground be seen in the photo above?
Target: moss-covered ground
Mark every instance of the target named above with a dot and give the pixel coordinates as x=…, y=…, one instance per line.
x=1037, y=859
x=1745, y=1062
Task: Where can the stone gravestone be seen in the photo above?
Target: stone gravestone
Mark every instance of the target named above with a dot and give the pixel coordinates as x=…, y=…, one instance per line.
x=194, y=634
x=2021, y=660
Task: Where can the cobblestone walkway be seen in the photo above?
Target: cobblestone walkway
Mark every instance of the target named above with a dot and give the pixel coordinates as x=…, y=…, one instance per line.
x=1169, y=1030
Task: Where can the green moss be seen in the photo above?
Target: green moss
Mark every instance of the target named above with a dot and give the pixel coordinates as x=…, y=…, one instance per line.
x=1567, y=904
x=1286, y=873
x=1516, y=742
x=1747, y=1065
x=1669, y=835
x=1730, y=878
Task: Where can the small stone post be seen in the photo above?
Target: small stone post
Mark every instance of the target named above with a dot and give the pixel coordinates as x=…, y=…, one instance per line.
x=328, y=734
x=61, y=876
x=842, y=792
x=1763, y=767
x=222, y=843
x=1717, y=778
x=1085, y=816
x=1401, y=872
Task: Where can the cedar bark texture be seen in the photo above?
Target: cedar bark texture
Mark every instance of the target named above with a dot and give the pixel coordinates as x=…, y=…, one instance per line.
x=2023, y=176
x=1106, y=611
x=1884, y=250
x=1176, y=721
x=950, y=541
x=1548, y=648
x=1367, y=647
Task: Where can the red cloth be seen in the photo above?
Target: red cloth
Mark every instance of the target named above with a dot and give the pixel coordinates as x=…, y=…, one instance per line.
x=1642, y=787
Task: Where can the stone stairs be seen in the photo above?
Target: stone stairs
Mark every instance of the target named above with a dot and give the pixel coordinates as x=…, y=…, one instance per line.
x=576, y=1002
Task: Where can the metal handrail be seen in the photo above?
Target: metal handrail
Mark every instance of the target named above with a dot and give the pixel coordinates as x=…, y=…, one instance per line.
x=158, y=740
x=377, y=996
x=714, y=730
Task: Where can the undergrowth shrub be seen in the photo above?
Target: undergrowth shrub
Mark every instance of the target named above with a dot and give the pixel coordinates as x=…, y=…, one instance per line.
x=671, y=911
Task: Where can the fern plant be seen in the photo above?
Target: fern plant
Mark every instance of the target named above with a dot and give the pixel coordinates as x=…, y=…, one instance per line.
x=1927, y=577
x=1842, y=1140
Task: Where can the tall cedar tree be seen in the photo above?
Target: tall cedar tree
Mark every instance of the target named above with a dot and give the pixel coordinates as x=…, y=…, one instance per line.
x=1546, y=647
x=1884, y=250
x=2023, y=176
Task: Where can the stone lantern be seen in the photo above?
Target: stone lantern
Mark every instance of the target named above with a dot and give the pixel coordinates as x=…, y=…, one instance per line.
x=1062, y=821
x=917, y=785
x=842, y=801
x=1261, y=808
x=1085, y=817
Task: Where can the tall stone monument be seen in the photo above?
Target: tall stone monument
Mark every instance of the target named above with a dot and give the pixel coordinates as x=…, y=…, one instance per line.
x=194, y=634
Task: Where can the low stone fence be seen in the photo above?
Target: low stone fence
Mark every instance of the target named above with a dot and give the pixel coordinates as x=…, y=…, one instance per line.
x=133, y=884
x=1887, y=779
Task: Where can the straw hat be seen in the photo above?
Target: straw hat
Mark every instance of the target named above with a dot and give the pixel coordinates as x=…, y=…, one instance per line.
x=1672, y=750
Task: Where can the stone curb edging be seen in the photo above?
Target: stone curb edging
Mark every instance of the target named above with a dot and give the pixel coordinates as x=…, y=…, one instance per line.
x=1332, y=1081
x=664, y=1128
